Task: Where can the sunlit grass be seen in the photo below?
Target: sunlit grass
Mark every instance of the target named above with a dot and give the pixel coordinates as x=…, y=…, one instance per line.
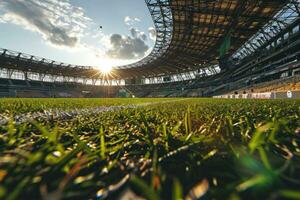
x=213, y=149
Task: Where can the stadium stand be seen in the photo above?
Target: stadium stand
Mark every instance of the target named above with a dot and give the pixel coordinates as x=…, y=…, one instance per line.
x=280, y=85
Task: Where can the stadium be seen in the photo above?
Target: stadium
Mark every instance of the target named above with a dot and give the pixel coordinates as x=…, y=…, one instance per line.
x=210, y=111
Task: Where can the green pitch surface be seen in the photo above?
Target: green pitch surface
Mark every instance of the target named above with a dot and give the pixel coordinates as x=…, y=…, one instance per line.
x=149, y=149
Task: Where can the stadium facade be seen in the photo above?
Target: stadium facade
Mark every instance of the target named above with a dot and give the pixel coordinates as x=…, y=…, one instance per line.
x=203, y=48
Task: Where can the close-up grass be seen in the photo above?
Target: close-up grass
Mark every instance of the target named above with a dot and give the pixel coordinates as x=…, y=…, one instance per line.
x=151, y=149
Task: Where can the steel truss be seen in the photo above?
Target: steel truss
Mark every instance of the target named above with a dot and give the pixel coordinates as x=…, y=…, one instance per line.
x=264, y=36
x=16, y=61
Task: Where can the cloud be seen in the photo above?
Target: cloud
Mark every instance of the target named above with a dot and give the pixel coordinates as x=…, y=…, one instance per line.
x=152, y=33
x=66, y=26
x=131, y=21
x=57, y=21
x=128, y=47
x=135, y=33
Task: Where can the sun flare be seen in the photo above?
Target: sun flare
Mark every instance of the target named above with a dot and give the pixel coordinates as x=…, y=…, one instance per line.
x=105, y=69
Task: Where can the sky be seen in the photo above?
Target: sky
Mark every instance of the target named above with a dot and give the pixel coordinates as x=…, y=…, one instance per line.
x=69, y=30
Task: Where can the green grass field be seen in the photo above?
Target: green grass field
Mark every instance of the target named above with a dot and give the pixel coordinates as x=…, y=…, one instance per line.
x=152, y=148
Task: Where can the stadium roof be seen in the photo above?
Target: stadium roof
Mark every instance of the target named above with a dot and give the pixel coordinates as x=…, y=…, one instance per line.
x=191, y=34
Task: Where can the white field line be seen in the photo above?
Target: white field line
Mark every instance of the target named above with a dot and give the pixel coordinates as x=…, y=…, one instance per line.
x=54, y=114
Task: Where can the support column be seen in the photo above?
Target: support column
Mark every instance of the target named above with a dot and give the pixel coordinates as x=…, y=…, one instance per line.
x=10, y=73
x=25, y=75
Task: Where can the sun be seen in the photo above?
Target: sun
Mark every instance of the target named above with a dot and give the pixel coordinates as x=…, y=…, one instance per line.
x=105, y=69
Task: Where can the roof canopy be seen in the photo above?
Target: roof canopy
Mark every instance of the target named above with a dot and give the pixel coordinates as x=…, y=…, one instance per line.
x=199, y=28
